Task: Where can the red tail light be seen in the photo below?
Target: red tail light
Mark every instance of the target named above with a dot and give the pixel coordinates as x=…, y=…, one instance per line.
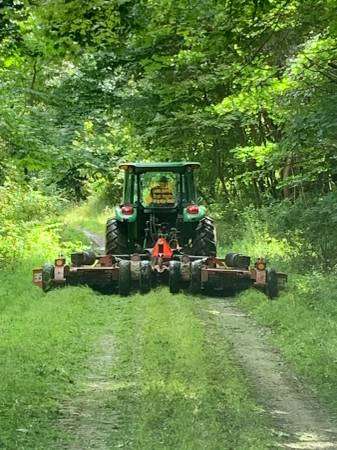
x=127, y=210
x=193, y=209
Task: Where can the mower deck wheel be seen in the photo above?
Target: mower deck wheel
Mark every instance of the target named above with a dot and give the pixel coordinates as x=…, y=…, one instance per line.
x=195, y=283
x=124, y=281
x=145, y=277
x=272, y=287
x=47, y=277
x=174, y=277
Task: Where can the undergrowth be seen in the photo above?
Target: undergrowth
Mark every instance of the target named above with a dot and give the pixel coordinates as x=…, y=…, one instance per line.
x=32, y=228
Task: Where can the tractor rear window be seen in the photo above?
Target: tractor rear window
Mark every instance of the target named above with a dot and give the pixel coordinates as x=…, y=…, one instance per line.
x=159, y=189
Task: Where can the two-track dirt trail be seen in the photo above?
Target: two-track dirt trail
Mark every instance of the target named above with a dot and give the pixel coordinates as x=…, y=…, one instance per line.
x=186, y=373
x=166, y=381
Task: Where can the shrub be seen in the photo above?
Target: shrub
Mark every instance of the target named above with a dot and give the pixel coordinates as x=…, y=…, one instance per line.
x=22, y=210
x=301, y=234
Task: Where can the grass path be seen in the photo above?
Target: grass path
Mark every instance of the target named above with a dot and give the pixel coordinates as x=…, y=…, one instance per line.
x=186, y=375
x=80, y=370
x=173, y=385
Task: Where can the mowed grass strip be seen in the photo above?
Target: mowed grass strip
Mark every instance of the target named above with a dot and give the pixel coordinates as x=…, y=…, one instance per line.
x=173, y=384
x=45, y=342
x=176, y=386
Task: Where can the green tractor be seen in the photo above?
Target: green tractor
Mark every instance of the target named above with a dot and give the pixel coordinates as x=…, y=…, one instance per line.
x=160, y=234
x=160, y=199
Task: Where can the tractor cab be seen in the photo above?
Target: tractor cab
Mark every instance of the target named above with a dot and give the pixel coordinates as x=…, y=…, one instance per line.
x=159, y=185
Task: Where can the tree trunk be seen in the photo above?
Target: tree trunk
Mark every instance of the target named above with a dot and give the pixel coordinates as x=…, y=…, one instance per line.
x=285, y=174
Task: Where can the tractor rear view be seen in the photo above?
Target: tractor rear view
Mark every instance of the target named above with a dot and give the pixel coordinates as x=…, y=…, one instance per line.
x=160, y=200
x=160, y=234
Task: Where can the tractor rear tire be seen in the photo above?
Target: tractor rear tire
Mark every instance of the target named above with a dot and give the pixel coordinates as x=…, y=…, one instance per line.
x=174, y=277
x=272, y=287
x=116, y=241
x=145, y=277
x=124, y=279
x=47, y=277
x=204, y=243
x=195, y=283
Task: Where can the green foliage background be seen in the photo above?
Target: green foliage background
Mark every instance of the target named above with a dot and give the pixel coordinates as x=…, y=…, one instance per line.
x=249, y=89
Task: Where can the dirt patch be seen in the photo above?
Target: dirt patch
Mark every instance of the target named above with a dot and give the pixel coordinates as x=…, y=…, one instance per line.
x=86, y=418
x=297, y=415
x=98, y=241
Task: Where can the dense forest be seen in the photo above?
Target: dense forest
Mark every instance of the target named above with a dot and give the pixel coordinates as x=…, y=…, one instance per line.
x=248, y=88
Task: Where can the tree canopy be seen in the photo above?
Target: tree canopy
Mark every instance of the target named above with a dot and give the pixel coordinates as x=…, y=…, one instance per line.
x=248, y=88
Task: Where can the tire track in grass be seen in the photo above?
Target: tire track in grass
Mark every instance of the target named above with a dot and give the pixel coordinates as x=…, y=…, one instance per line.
x=85, y=419
x=296, y=414
x=97, y=241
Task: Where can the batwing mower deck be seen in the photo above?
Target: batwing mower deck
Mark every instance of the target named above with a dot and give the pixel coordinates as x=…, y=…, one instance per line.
x=123, y=273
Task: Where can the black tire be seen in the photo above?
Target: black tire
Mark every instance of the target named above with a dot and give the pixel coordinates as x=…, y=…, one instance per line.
x=272, y=287
x=204, y=242
x=145, y=277
x=237, y=260
x=116, y=241
x=195, y=282
x=174, y=277
x=124, y=279
x=47, y=277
